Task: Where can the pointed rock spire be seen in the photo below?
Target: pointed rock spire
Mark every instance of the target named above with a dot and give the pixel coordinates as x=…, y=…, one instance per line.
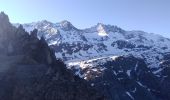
x=4, y=22
x=3, y=18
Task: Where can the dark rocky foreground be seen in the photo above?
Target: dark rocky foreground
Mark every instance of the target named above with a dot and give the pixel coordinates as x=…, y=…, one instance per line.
x=30, y=71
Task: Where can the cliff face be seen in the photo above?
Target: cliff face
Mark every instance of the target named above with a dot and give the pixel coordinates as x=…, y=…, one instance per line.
x=30, y=71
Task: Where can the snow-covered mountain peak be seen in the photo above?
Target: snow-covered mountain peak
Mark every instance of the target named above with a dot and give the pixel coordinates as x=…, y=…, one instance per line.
x=101, y=30
x=66, y=25
x=43, y=23
x=100, y=27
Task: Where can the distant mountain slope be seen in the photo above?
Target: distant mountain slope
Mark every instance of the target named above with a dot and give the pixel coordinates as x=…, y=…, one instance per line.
x=29, y=69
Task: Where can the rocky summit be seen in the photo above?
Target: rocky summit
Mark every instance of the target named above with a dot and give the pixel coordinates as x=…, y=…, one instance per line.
x=29, y=69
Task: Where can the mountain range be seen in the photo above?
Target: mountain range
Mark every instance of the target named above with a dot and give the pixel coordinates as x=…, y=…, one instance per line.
x=123, y=65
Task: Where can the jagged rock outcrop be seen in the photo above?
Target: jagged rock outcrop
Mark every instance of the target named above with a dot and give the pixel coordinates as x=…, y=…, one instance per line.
x=29, y=69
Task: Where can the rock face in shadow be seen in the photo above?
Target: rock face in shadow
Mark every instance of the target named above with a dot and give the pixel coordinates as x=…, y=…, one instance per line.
x=30, y=71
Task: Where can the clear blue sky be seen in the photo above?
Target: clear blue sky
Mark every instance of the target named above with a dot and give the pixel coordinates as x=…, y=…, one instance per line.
x=147, y=15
